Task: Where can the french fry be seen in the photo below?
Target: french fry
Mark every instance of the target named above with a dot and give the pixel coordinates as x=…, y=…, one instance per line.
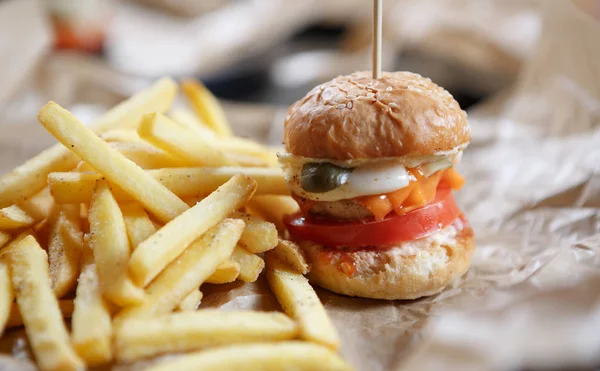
x=84, y=212
x=4, y=238
x=29, y=178
x=71, y=187
x=147, y=156
x=138, y=224
x=14, y=242
x=167, y=135
x=180, y=332
x=87, y=254
x=114, y=166
x=111, y=248
x=83, y=167
x=65, y=248
x=271, y=156
x=191, y=302
x=299, y=301
x=242, y=146
x=274, y=208
x=14, y=217
x=250, y=265
x=126, y=115
x=29, y=212
x=39, y=206
x=191, y=201
x=91, y=322
x=153, y=254
x=187, y=272
x=259, y=236
x=41, y=231
x=15, y=320
x=156, y=224
x=26, y=180
x=207, y=107
x=120, y=135
x=296, y=355
x=226, y=272
x=291, y=254
x=245, y=160
x=231, y=146
x=6, y=295
x=39, y=308
x=191, y=122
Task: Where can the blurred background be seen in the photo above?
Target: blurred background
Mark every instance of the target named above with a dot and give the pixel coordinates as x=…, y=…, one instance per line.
x=269, y=52
x=259, y=56
x=273, y=51
x=527, y=71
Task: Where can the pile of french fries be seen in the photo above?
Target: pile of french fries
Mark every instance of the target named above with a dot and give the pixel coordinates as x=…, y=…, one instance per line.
x=119, y=224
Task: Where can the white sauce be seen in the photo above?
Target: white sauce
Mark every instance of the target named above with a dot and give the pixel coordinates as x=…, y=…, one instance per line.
x=383, y=177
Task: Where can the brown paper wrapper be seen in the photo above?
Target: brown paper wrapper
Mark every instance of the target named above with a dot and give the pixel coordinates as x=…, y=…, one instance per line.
x=532, y=297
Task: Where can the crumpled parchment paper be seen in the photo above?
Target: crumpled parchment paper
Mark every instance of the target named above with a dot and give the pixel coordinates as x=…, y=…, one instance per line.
x=532, y=297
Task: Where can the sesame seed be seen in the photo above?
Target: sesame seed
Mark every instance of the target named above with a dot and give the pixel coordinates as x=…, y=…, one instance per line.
x=349, y=105
x=389, y=88
x=392, y=104
x=340, y=106
x=351, y=96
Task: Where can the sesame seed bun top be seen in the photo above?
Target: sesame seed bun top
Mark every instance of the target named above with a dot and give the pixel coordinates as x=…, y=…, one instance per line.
x=355, y=116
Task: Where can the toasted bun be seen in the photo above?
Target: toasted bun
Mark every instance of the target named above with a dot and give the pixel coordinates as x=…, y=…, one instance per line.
x=407, y=271
x=354, y=116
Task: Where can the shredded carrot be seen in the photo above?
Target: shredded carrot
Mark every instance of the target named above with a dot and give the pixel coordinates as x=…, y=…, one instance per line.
x=398, y=197
x=345, y=263
x=326, y=257
x=378, y=205
x=416, y=172
x=430, y=186
x=417, y=194
x=453, y=179
x=347, y=266
x=416, y=197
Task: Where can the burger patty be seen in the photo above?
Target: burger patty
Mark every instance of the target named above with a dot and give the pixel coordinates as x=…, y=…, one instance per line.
x=341, y=210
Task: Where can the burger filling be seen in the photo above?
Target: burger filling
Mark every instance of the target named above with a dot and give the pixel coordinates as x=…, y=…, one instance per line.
x=370, y=204
x=361, y=190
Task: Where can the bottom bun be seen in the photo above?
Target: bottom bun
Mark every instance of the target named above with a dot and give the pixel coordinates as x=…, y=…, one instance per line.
x=408, y=270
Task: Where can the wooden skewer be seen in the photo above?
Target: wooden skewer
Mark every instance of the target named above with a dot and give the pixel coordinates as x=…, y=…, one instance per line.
x=377, y=27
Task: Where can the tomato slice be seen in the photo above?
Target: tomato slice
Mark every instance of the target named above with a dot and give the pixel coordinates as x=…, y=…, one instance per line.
x=419, y=223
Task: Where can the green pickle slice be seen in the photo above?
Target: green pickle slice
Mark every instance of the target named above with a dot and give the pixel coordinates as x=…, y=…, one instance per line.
x=323, y=177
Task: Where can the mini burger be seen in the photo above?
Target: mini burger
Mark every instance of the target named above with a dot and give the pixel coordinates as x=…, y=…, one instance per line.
x=372, y=165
